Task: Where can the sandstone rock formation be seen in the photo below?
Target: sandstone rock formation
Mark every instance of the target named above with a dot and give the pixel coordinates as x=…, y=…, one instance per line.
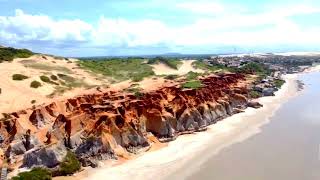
x=117, y=124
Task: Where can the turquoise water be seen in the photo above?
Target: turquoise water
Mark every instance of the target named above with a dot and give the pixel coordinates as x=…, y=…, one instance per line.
x=286, y=149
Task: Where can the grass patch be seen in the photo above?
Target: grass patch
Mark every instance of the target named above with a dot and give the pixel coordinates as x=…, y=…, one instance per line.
x=119, y=69
x=34, y=174
x=196, y=84
x=35, y=84
x=67, y=83
x=8, y=53
x=192, y=76
x=70, y=164
x=45, y=67
x=19, y=77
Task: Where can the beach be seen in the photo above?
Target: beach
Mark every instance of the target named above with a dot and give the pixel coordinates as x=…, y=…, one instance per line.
x=191, y=150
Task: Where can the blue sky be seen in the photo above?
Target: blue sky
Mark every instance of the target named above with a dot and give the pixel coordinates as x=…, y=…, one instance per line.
x=131, y=27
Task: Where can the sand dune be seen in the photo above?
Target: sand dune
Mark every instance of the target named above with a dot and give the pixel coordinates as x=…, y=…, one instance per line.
x=17, y=95
x=162, y=69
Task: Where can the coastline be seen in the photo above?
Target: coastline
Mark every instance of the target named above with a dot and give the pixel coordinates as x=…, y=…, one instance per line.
x=197, y=147
x=170, y=162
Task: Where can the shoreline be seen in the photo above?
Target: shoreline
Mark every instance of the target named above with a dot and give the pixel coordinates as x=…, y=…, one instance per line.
x=167, y=162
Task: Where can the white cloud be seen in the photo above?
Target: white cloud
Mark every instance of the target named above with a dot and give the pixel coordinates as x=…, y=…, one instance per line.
x=265, y=28
x=25, y=27
x=123, y=32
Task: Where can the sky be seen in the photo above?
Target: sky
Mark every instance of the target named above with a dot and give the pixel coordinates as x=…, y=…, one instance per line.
x=147, y=27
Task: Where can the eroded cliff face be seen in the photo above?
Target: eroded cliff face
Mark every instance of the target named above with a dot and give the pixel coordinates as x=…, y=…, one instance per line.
x=116, y=124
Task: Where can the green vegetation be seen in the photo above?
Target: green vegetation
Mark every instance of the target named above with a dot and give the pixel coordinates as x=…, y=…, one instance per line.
x=47, y=80
x=204, y=66
x=254, y=94
x=196, y=84
x=72, y=82
x=66, y=78
x=34, y=174
x=8, y=54
x=33, y=101
x=119, y=69
x=279, y=82
x=45, y=67
x=174, y=63
x=135, y=90
x=35, y=84
x=67, y=83
x=19, y=77
x=70, y=164
x=192, y=76
x=257, y=68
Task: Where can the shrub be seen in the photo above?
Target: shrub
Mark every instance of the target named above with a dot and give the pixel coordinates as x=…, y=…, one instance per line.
x=192, y=84
x=33, y=101
x=70, y=164
x=8, y=53
x=279, y=82
x=34, y=174
x=19, y=77
x=45, y=79
x=254, y=94
x=66, y=77
x=257, y=68
x=35, y=84
x=171, y=77
x=137, y=78
x=54, y=77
